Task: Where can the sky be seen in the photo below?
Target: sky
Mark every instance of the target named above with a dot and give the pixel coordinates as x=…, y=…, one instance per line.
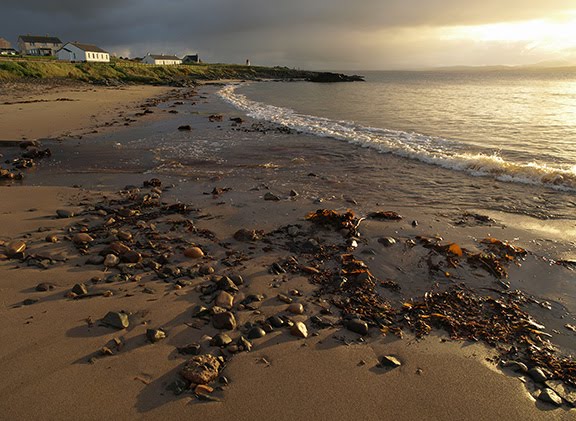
x=312, y=34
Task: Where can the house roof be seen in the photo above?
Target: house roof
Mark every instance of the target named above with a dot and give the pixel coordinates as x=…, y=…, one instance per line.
x=163, y=57
x=88, y=47
x=35, y=38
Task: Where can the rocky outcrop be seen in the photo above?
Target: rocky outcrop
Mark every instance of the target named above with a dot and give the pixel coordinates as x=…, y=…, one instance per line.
x=327, y=77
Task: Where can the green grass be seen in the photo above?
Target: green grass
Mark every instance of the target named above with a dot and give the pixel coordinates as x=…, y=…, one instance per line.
x=130, y=72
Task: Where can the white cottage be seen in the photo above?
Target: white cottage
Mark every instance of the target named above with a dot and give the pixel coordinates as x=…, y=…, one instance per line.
x=161, y=60
x=74, y=51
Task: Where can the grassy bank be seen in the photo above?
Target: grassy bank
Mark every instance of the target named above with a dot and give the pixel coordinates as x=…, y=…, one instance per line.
x=125, y=71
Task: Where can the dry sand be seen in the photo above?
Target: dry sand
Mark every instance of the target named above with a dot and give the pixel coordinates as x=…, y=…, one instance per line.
x=29, y=111
x=46, y=347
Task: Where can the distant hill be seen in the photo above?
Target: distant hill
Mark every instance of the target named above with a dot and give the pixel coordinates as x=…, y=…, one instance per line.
x=557, y=65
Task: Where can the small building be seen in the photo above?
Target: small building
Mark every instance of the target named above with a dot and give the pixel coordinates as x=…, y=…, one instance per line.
x=161, y=60
x=33, y=45
x=8, y=52
x=75, y=51
x=5, y=44
x=191, y=58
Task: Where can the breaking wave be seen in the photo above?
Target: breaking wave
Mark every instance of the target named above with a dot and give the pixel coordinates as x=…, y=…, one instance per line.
x=431, y=150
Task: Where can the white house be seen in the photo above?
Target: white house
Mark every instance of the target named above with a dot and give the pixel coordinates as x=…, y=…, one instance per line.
x=161, y=59
x=74, y=51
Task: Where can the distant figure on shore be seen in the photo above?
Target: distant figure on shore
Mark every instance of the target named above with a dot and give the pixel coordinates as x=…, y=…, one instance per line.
x=247, y=62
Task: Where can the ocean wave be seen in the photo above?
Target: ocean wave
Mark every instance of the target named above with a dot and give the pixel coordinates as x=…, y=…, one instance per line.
x=428, y=149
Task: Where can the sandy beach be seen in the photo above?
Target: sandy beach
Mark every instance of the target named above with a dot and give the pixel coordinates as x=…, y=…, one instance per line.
x=171, y=235
x=58, y=109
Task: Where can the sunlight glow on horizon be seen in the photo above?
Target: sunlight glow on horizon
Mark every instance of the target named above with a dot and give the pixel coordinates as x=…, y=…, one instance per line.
x=545, y=34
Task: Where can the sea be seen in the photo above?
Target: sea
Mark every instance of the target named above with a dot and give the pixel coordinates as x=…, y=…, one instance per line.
x=514, y=126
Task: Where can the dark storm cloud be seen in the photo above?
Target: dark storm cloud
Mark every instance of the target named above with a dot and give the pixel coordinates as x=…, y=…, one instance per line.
x=281, y=32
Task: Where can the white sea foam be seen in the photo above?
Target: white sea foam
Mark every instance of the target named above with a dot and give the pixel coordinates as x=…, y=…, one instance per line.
x=431, y=150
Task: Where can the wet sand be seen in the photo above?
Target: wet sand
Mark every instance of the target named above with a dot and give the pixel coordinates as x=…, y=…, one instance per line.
x=52, y=365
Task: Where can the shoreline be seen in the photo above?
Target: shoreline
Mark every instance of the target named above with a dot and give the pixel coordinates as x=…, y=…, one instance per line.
x=142, y=371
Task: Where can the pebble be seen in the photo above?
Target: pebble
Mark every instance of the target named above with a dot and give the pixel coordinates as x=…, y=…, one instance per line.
x=116, y=319
x=203, y=389
x=80, y=289
x=117, y=248
x=221, y=340
x=95, y=260
x=111, y=260
x=244, y=344
x=284, y=298
x=224, y=320
x=124, y=235
x=105, y=351
x=233, y=348
x=299, y=329
x=390, y=361
x=201, y=369
x=256, y=333
x=206, y=270
x=225, y=300
x=132, y=257
x=15, y=247
x=271, y=196
x=295, y=308
x=537, y=374
x=51, y=238
x=515, y=366
x=387, y=241
x=64, y=213
x=82, y=238
x=190, y=349
x=549, y=396
x=199, y=311
x=194, y=252
x=30, y=301
x=237, y=279
x=244, y=234
x=44, y=286
x=357, y=326
x=155, y=335
x=276, y=321
x=226, y=284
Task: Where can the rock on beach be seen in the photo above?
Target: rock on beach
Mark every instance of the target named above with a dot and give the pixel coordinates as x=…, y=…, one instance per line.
x=201, y=369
